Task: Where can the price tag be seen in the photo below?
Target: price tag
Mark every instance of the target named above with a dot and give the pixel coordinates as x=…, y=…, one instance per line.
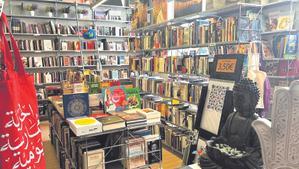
x=36, y=34
x=226, y=65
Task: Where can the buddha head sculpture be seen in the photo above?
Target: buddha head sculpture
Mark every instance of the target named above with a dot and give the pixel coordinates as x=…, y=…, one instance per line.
x=245, y=97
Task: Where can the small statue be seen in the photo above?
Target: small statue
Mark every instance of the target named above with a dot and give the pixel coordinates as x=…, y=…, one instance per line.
x=237, y=136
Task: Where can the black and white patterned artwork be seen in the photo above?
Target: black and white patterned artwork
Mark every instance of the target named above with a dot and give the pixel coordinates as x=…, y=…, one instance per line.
x=214, y=104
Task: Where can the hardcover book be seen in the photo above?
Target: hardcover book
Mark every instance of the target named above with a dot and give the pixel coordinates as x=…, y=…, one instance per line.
x=75, y=105
x=133, y=98
x=84, y=125
x=112, y=122
x=115, y=99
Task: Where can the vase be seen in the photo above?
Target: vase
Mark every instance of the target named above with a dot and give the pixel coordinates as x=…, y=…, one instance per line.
x=32, y=13
x=65, y=15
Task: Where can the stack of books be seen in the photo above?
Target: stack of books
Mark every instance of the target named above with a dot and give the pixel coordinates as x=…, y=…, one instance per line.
x=152, y=116
x=112, y=122
x=84, y=125
x=132, y=118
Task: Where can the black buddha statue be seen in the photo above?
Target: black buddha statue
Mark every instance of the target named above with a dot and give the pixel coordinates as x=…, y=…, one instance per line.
x=238, y=132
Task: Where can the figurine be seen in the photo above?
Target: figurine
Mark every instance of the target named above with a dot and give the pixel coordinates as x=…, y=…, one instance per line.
x=238, y=146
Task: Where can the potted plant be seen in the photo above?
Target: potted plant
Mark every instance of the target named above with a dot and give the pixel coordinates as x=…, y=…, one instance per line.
x=50, y=10
x=31, y=8
x=66, y=11
x=82, y=12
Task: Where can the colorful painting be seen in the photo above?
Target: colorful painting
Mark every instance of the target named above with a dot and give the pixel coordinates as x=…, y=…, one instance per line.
x=186, y=7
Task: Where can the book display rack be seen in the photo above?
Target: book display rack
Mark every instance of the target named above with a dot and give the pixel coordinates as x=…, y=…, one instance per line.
x=50, y=37
x=135, y=146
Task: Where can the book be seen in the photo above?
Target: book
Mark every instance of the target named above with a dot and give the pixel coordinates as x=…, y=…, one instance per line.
x=48, y=45
x=133, y=98
x=291, y=46
x=84, y=125
x=115, y=99
x=112, y=122
x=94, y=159
x=75, y=105
x=152, y=149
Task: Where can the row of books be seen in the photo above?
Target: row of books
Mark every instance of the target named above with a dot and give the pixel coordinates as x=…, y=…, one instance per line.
x=211, y=30
x=175, y=138
x=182, y=90
x=283, y=46
x=114, y=60
x=52, y=45
x=103, y=44
x=101, y=122
x=179, y=114
x=172, y=64
x=19, y=26
x=49, y=77
x=114, y=74
x=229, y=49
x=111, y=31
x=53, y=61
x=286, y=68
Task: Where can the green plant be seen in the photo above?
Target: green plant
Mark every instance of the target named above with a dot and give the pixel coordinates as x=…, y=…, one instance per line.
x=82, y=11
x=30, y=7
x=66, y=9
x=50, y=9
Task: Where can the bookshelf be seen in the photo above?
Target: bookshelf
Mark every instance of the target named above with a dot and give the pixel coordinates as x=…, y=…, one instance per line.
x=279, y=59
x=58, y=28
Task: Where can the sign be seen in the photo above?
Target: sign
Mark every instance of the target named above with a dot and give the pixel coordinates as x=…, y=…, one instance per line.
x=226, y=65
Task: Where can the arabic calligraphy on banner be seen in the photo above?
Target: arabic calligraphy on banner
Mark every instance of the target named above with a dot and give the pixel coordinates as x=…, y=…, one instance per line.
x=25, y=150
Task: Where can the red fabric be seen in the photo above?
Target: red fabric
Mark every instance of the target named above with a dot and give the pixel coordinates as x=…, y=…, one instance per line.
x=20, y=136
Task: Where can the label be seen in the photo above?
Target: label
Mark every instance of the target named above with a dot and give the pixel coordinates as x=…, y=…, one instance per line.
x=226, y=65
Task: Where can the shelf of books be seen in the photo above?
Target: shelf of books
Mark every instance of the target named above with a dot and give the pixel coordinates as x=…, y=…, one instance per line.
x=280, y=37
x=50, y=35
x=121, y=135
